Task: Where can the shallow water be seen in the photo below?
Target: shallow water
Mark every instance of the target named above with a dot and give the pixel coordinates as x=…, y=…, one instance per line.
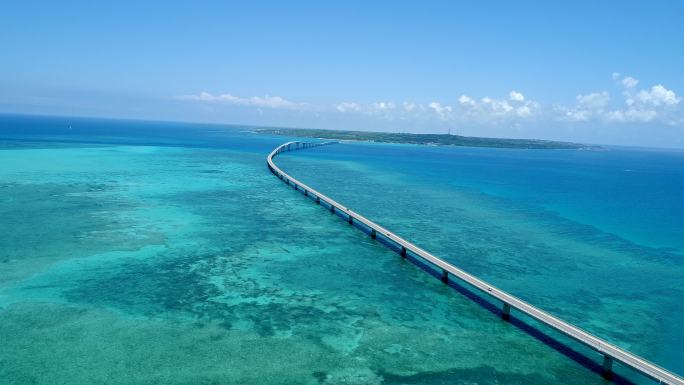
x=166, y=253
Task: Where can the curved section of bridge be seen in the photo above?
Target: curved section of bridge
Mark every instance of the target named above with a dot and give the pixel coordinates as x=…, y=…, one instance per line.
x=508, y=302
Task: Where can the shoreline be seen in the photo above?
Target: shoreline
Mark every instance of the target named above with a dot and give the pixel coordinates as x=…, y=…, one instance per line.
x=426, y=139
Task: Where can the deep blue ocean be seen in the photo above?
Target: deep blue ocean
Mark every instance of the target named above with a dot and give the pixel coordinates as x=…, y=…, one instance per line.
x=154, y=252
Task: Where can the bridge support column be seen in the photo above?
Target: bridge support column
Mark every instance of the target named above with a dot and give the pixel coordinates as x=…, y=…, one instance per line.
x=306, y=193
x=506, y=311
x=403, y=252
x=295, y=186
x=445, y=276
x=607, y=371
x=373, y=234
x=287, y=181
x=350, y=219
x=318, y=200
x=332, y=209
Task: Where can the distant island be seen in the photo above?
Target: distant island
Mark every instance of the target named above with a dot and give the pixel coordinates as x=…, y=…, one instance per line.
x=427, y=139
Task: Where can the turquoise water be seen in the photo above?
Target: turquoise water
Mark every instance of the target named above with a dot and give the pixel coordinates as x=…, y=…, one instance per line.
x=167, y=253
x=592, y=236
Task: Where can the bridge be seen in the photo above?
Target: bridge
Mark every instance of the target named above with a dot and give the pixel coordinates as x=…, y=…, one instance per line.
x=508, y=302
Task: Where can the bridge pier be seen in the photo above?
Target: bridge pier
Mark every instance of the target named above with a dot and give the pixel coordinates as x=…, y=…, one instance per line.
x=403, y=252
x=318, y=200
x=607, y=371
x=373, y=234
x=332, y=209
x=351, y=219
x=445, y=276
x=306, y=193
x=506, y=311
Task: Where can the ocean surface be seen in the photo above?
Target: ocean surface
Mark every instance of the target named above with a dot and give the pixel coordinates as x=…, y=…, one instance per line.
x=166, y=253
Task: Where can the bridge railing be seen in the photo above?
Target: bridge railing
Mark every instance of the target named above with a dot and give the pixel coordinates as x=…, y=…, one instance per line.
x=609, y=351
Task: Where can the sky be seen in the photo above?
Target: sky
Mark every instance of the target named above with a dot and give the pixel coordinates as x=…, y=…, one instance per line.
x=607, y=72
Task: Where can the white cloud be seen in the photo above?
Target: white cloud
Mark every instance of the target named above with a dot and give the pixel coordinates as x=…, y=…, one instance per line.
x=629, y=82
x=576, y=115
x=255, y=101
x=595, y=100
x=657, y=96
x=626, y=82
x=348, y=107
x=466, y=100
x=409, y=106
x=491, y=110
x=386, y=109
x=645, y=105
x=629, y=104
x=588, y=107
x=442, y=111
x=207, y=97
x=383, y=106
x=631, y=115
x=524, y=111
x=516, y=96
x=496, y=106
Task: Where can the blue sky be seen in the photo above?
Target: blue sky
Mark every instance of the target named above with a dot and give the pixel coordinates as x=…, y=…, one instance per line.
x=601, y=72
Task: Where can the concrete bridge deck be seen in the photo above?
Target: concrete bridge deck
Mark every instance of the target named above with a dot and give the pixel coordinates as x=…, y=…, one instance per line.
x=609, y=351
